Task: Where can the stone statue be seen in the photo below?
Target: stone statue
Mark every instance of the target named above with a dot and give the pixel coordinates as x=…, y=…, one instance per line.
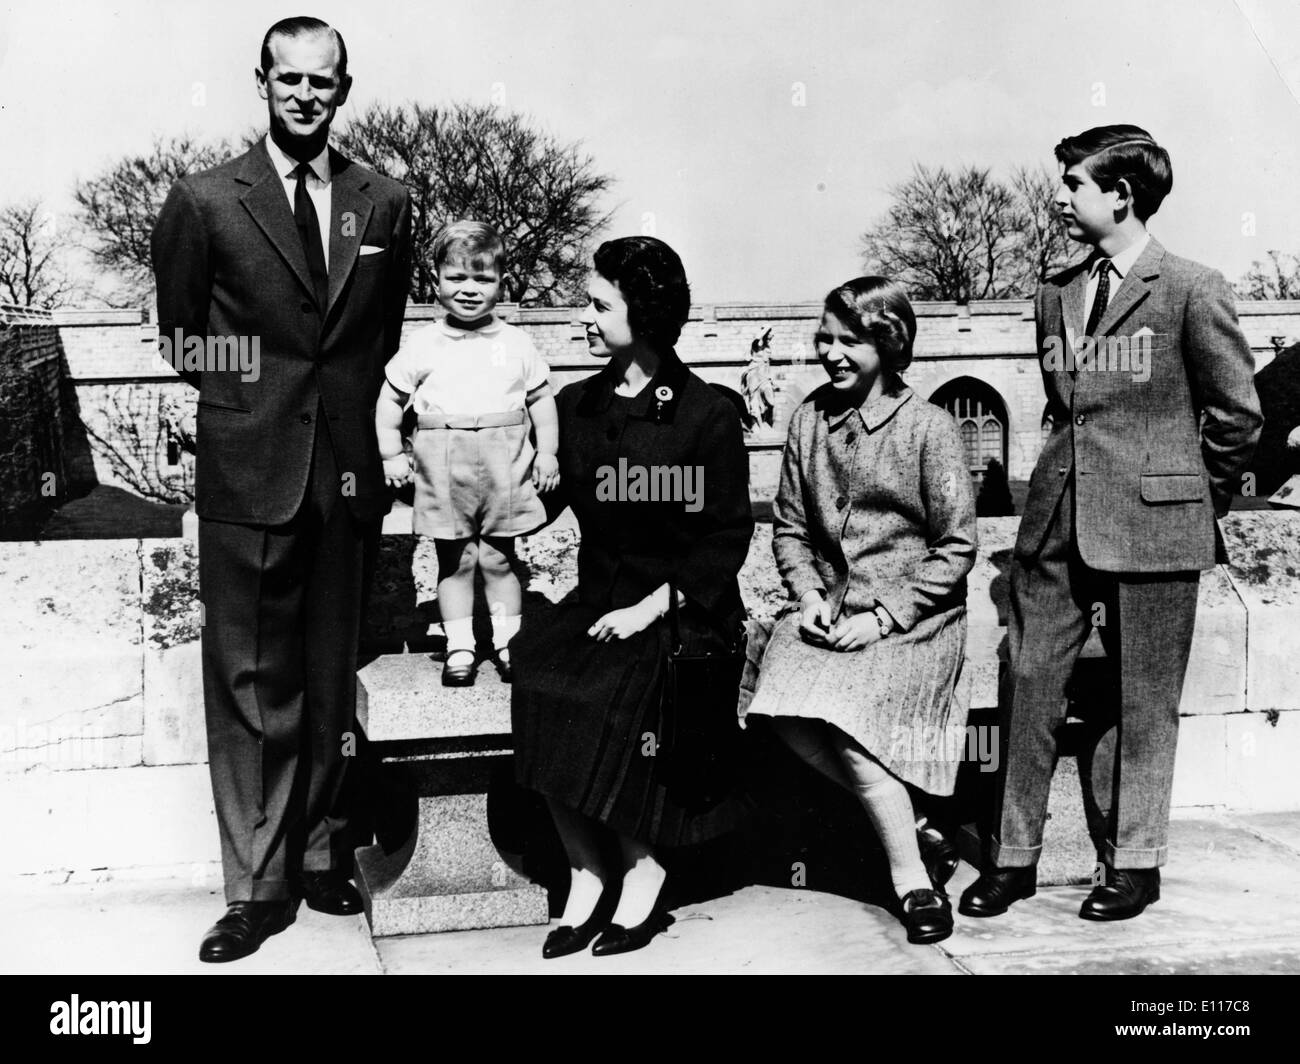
x=756, y=381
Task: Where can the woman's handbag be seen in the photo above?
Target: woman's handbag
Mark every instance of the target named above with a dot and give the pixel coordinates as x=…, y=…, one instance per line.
x=699, y=750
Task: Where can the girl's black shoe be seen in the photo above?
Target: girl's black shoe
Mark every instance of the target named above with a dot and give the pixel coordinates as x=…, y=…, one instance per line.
x=927, y=915
x=938, y=853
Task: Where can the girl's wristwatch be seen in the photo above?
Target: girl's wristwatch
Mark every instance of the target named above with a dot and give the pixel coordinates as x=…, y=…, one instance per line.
x=884, y=620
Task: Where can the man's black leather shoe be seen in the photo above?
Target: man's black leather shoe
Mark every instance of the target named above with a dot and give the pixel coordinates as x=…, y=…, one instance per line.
x=330, y=892
x=1123, y=895
x=246, y=925
x=995, y=891
x=938, y=853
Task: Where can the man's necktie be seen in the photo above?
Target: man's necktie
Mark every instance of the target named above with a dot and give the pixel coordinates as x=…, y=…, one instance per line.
x=1102, y=297
x=305, y=217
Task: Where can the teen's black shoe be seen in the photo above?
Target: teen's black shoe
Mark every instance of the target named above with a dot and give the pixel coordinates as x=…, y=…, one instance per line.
x=1124, y=894
x=995, y=891
x=330, y=892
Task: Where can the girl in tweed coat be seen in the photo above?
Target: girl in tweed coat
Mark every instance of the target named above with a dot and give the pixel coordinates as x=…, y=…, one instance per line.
x=874, y=533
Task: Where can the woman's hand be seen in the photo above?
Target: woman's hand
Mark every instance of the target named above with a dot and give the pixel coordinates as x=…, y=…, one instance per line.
x=815, y=619
x=397, y=471
x=856, y=632
x=546, y=472
x=620, y=624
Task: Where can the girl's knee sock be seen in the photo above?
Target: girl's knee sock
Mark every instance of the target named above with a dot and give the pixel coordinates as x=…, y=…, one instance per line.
x=890, y=811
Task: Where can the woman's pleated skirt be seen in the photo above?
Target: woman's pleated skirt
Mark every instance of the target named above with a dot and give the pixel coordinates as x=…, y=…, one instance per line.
x=587, y=723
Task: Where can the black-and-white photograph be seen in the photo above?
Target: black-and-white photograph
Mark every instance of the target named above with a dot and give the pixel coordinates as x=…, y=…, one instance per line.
x=661, y=488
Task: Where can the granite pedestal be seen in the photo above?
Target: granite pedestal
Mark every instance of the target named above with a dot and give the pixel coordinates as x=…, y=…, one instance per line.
x=444, y=745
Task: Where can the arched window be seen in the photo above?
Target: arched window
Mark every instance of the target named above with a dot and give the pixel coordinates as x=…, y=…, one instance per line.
x=981, y=418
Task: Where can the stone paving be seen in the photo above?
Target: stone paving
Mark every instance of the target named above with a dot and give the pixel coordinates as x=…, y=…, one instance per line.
x=1230, y=905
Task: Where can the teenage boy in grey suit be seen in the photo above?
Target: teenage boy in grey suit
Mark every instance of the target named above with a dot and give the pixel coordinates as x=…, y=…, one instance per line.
x=307, y=253
x=1151, y=394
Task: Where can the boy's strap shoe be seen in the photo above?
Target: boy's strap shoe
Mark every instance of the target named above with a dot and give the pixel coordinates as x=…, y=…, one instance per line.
x=1124, y=894
x=330, y=892
x=997, y=889
x=459, y=669
x=246, y=925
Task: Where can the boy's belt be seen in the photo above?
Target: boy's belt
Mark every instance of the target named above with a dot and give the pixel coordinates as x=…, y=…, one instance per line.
x=482, y=421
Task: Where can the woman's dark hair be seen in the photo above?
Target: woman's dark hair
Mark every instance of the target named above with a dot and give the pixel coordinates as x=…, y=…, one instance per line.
x=653, y=283
x=877, y=310
x=1129, y=153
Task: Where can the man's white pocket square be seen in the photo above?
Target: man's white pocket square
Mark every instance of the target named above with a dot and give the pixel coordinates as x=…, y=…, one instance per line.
x=370, y=249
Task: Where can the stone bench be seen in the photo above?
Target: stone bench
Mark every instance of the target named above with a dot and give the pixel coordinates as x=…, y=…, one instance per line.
x=446, y=745
x=448, y=875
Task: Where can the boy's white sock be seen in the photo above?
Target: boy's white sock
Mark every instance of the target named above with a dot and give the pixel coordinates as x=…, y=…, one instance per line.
x=460, y=634
x=504, y=629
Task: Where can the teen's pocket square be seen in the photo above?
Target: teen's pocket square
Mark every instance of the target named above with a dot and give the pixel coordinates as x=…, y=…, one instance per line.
x=370, y=249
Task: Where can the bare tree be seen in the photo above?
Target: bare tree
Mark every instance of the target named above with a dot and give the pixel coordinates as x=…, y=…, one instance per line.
x=32, y=267
x=947, y=235
x=962, y=234
x=1276, y=278
x=479, y=161
x=1042, y=246
x=119, y=206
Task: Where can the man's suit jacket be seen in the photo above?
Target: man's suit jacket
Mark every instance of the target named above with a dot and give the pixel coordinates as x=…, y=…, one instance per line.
x=229, y=263
x=1154, y=461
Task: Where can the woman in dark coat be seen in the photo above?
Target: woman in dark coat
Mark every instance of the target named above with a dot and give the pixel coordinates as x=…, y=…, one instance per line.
x=587, y=688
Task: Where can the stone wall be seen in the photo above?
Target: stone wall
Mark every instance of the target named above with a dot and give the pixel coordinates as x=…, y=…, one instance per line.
x=102, y=745
x=43, y=460
x=112, y=355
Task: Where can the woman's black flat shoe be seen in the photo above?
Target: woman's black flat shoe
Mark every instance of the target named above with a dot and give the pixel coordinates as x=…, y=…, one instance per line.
x=567, y=939
x=927, y=915
x=619, y=939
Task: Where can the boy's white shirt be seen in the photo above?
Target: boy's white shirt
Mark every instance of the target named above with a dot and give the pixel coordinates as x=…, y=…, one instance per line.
x=1121, y=264
x=467, y=372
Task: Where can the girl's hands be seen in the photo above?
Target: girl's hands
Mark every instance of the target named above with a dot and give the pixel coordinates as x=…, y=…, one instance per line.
x=397, y=471
x=856, y=632
x=620, y=624
x=546, y=472
x=815, y=620
x=849, y=633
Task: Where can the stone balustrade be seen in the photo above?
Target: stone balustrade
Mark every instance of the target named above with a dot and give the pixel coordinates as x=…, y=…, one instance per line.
x=102, y=748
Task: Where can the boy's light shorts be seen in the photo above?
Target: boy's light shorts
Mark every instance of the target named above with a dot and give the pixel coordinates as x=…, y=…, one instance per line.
x=474, y=476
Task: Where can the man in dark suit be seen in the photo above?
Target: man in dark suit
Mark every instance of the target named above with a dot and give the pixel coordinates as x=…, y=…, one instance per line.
x=303, y=256
x=1154, y=417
